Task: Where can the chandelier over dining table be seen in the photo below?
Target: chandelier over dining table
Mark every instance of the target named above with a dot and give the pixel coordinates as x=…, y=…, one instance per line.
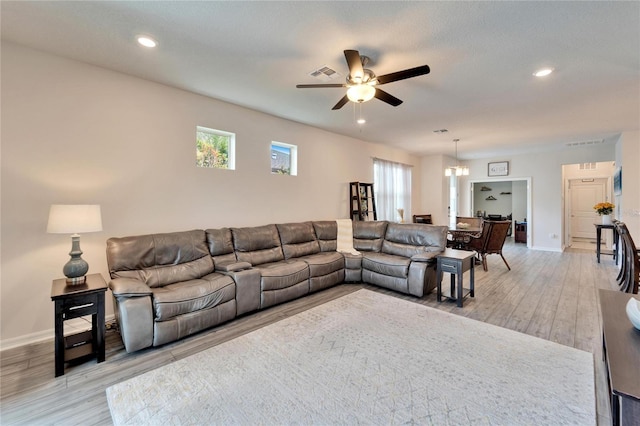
x=456, y=170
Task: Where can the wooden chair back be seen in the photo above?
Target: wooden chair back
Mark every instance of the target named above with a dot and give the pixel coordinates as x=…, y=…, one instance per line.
x=494, y=233
x=497, y=236
x=422, y=218
x=630, y=280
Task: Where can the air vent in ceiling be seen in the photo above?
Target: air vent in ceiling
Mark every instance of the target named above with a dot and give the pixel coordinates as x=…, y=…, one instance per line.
x=594, y=142
x=588, y=166
x=324, y=73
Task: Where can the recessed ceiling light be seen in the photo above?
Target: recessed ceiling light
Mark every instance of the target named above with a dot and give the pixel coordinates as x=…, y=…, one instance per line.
x=543, y=72
x=147, y=41
x=361, y=121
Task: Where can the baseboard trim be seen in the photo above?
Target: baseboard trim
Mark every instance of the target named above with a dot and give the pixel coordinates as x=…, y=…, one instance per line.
x=70, y=327
x=554, y=249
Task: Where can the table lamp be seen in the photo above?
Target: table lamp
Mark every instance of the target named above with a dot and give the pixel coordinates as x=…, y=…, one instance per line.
x=74, y=219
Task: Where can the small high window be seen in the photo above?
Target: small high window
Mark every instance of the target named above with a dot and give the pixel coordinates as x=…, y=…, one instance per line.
x=284, y=159
x=215, y=148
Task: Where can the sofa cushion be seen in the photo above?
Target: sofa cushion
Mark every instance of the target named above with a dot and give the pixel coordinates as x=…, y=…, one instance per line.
x=257, y=245
x=160, y=259
x=411, y=239
x=327, y=234
x=194, y=295
x=297, y=239
x=386, y=264
x=323, y=263
x=220, y=243
x=367, y=236
x=279, y=275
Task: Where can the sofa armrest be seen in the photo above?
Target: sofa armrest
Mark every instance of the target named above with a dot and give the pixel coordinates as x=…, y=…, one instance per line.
x=129, y=287
x=232, y=266
x=427, y=256
x=134, y=312
x=248, y=291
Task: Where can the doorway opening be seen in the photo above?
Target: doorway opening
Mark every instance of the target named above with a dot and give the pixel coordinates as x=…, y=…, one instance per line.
x=505, y=199
x=585, y=185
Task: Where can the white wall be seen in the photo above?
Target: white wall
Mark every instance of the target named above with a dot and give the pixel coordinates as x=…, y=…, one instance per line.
x=435, y=189
x=545, y=170
x=503, y=203
x=628, y=157
x=75, y=133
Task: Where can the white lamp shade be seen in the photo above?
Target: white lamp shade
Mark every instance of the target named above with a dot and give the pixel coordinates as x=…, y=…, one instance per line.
x=74, y=218
x=361, y=93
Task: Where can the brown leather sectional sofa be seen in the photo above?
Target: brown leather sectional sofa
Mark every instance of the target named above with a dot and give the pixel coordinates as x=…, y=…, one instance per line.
x=168, y=286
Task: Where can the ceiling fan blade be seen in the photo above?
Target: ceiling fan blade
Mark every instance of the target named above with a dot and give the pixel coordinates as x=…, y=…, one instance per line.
x=385, y=97
x=355, y=65
x=315, y=86
x=401, y=75
x=342, y=102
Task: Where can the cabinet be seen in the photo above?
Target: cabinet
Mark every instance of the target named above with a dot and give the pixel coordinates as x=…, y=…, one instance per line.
x=75, y=301
x=362, y=204
x=521, y=232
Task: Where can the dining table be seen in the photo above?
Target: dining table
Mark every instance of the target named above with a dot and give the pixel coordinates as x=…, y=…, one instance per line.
x=460, y=235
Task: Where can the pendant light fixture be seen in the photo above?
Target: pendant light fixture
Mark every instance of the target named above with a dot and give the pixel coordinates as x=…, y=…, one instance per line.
x=456, y=170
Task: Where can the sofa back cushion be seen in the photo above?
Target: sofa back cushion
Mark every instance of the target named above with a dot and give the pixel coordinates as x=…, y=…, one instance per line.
x=368, y=236
x=410, y=239
x=220, y=244
x=257, y=245
x=297, y=239
x=327, y=234
x=160, y=259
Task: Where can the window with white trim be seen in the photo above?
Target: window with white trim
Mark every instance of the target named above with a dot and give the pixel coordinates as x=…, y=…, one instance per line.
x=284, y=159
x=215, y=148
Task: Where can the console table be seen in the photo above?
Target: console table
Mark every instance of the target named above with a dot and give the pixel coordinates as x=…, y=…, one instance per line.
x=621, y=349
x=614, y=253
x=74, y=301
x=456, y=262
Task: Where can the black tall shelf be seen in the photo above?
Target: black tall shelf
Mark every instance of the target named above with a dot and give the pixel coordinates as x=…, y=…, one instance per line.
x=362, y=203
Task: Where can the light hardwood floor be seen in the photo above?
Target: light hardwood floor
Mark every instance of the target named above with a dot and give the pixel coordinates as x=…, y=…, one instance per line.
x=546, y=294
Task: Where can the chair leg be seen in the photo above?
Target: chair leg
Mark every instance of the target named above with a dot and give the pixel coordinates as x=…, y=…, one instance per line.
x=505, y=261
x=484, y=262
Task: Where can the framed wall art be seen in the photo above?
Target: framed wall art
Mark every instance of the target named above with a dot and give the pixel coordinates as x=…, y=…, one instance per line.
x=617, y=182
x=500, y=168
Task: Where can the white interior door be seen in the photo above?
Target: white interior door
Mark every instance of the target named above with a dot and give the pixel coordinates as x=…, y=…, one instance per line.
x=584, y=195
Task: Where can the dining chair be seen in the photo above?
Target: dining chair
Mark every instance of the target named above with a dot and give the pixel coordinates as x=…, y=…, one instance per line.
x=494, y=234
x=422, y=218
x=629, y=282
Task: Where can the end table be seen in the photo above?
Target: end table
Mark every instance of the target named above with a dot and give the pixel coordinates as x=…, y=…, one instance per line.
x=456, y=262
x=74, y=301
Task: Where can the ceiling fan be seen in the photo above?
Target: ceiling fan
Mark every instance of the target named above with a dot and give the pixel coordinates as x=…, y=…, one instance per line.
x=362, y=82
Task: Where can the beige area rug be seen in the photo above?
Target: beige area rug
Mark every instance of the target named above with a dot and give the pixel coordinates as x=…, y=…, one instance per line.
x=367, y=358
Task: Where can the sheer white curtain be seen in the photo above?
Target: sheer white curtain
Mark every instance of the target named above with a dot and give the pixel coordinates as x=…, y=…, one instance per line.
x=392, y=186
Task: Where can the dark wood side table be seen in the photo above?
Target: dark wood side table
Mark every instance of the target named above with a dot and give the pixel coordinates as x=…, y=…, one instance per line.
x=621, y=349
x=74, y=301
x=456, y=262
x=614, y=253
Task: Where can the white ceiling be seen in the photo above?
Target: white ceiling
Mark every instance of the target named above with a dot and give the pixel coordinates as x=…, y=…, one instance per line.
x=482, y=56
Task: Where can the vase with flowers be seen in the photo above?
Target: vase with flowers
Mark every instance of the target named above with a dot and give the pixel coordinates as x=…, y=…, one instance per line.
x=604, y=210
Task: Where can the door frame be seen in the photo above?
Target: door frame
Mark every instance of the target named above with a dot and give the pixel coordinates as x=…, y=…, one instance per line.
x=566, y=205
x=529, y=209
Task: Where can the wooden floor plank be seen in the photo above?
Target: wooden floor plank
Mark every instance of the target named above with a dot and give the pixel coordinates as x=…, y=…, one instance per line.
x=546, y=294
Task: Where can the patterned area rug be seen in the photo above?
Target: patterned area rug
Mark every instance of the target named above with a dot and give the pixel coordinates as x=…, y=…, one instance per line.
x=368, y=358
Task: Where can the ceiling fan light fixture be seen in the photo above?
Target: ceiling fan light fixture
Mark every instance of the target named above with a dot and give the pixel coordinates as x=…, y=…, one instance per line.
x=146, y=41
x=543, y=72
x=361, y=93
